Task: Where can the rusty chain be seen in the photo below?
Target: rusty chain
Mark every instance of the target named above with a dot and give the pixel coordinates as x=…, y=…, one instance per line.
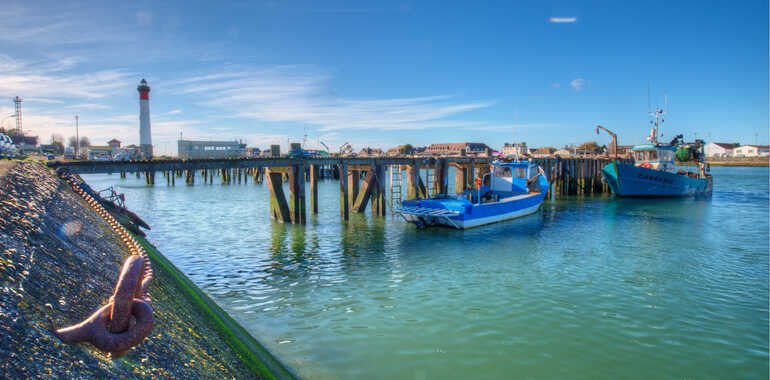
x=112, y=328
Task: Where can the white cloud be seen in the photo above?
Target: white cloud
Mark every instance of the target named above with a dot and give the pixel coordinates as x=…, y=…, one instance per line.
x=578, y=84
x=89, y=106
x=300, y=94
x=562, y=20
x=174, y=112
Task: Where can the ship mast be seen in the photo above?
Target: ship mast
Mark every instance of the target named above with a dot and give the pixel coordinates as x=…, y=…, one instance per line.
x=658, y=116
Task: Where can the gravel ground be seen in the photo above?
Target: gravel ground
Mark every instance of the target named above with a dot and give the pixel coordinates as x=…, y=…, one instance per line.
x=58, y=264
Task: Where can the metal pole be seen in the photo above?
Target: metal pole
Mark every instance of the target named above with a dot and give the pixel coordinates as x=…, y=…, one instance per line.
x=77, y=139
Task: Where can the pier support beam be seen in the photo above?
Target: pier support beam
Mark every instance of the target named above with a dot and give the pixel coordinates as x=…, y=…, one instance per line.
x=279, y=210
x=440, y=176
x=344, y=205
x=366, y=192
x=461, y=178
x=297, y=190
x=354, y=180
x=379, y=201
x=314, y=189
x=414, y=185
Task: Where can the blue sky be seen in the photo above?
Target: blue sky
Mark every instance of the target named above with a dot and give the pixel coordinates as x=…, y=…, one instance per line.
x=384, y=73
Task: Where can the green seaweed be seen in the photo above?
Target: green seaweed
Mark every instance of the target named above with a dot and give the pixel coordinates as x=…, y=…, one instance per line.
x=258, y=359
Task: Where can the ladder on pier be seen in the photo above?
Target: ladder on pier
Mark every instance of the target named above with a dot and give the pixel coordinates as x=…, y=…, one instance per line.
x=395, y=185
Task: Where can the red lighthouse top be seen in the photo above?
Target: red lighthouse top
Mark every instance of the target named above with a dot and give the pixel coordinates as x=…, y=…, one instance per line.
x=144, y=90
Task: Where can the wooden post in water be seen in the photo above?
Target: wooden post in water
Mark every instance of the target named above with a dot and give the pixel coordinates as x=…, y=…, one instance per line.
x=414, y=186
x=314, y=189
x=279, y=210
x=379, y=201
x=354, y=181
x=297, y=190
x=344, y=205
x=367, y=189
x=461, y=181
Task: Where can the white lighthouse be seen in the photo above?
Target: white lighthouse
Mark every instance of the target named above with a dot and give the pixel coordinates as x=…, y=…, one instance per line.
x=145, y=137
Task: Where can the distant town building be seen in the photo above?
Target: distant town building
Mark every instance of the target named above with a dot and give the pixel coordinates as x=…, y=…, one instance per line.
x=751, y=151
x=542, y=152
x=114, y=144
x=26, y=144
x=370, y=152
x=563, y=153
x=100, y=152
x=514, y=149
x=189, y=149
x=252, y=152
x=453, y=149
x=714, y=149
x=624, y=150
x=127, y=153
x=275, y=150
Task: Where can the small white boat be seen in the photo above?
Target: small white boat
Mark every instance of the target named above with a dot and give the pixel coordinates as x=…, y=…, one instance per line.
x=517, y=189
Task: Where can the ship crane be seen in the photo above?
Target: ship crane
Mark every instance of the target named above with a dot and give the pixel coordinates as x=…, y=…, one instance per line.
x=614, y=145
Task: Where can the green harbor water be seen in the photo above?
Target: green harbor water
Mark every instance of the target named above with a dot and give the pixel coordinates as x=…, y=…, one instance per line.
x=588, y=288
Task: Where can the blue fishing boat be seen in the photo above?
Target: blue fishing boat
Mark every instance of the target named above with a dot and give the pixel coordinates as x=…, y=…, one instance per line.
x=516, y=189
x=654, y=174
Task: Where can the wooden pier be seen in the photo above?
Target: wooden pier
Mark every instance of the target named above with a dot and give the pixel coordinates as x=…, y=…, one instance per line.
x=363, y=181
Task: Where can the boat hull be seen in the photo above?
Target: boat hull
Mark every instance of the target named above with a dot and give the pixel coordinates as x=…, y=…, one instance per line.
x=633, y=181
x=479, y=215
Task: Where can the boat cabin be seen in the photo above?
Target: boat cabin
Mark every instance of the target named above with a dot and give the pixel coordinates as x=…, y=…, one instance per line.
x=654, y=156
x=512, y=178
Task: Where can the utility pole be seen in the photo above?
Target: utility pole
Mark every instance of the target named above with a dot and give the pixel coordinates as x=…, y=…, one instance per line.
x=77, y=139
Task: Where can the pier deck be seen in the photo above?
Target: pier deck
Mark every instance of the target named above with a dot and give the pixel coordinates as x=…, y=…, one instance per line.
x=362, y=179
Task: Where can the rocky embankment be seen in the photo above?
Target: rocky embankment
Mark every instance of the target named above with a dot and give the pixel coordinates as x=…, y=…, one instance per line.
x=59, y=262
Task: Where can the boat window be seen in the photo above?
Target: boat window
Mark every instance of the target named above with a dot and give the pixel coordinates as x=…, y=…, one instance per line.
x=666, y=155
x=503, y=171
x=520, y=172
x=645, y=155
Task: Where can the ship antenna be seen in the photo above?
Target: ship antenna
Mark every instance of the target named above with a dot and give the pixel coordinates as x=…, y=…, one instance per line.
x=649, y=112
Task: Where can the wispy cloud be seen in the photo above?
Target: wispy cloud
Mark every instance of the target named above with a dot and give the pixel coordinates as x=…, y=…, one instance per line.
x=300, y=94
x=174, y=112
x=45, y=81
x=562, y=20
x=89, y=106
x=578, y=84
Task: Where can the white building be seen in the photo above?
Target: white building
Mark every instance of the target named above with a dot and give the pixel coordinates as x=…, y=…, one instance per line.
x=751, y=151
x=515, y=149
x=713, y=149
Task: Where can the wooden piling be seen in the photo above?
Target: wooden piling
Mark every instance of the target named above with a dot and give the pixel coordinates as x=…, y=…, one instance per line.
x=279, y=209
x=297, y=192
x=365, y=193
x=414, y=186
x=379, y=200
x=314, y=189
x=354, y=181
x=343, y=176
